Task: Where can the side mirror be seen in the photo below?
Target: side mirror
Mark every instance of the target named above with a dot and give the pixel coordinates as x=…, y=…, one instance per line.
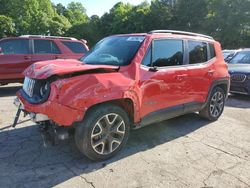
x=153, y=69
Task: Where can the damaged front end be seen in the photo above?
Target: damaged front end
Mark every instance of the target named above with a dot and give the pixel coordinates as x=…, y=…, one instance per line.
x=35, y=92
x=41, y=100
x=35, y=101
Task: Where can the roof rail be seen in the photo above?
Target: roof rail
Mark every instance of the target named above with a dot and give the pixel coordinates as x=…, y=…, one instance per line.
x=181, y=33
x=48, y=37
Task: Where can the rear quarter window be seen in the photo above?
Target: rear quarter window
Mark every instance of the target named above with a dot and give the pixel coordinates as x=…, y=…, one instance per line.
x=212, y=51
x=75, y=47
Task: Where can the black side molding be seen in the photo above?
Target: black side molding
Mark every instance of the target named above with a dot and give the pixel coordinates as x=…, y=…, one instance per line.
x=169, y=113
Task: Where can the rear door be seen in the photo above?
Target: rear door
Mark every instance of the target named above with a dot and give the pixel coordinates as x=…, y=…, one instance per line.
x=44, y=50
x=201, y=69
x=16, y=57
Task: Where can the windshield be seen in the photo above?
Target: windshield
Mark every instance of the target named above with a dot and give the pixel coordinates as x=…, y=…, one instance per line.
x=116, y=50
x=241, y=58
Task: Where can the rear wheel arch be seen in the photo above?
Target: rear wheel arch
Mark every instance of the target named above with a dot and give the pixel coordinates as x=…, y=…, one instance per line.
x=223, y=83
x=224, y=87
x=214, y=107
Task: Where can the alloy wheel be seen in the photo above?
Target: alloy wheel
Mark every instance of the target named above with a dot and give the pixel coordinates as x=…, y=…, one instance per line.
x=217, y=104
x=108, y=134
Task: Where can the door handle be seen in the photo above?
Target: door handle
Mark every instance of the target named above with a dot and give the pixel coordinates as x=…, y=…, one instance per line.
x=27, y=57
x=58, y=57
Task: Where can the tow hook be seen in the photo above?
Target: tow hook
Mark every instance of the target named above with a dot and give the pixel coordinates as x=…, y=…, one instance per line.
x=17, y=116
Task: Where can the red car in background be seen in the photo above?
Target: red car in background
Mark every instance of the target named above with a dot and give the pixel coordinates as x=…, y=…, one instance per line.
x=18, y=53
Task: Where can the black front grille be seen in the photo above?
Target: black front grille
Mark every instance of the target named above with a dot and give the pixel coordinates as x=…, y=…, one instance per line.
x=238, y=77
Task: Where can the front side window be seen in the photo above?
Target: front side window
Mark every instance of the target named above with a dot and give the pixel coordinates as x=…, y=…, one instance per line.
x=197, y=52
x=115, y=50
x=241, y=58
x=19, y=46
x=45, y=47
x=167, y=52
x=75, y=47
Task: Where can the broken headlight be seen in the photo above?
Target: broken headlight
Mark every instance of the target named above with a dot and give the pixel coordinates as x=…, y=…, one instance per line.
x=44, y=90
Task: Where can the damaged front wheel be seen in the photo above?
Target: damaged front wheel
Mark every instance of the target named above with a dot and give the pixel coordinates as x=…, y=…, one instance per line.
x=103, y=132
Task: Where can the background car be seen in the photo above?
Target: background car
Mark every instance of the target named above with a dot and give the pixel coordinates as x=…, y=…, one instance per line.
x=239, y=69
x=229, y=54
x=17, y=53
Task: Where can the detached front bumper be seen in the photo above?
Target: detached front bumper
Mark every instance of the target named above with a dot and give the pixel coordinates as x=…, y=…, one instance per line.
x=34, y=117
x=60, y=114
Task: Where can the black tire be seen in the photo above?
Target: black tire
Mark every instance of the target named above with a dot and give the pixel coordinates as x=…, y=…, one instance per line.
x=84, y=137
x=207, y=111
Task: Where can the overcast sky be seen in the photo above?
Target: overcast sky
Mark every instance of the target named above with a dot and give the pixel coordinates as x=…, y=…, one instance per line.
x=98, y=7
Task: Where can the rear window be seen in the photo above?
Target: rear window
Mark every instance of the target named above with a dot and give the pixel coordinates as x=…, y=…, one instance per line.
x=45, y=47
x=75, y=47
x=241, y=58
x=197, y=52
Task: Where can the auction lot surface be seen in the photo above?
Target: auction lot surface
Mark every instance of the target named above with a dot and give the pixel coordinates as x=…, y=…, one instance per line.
x=182, y=152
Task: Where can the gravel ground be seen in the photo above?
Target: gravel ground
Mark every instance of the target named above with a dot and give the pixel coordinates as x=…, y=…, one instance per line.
x=182, y=152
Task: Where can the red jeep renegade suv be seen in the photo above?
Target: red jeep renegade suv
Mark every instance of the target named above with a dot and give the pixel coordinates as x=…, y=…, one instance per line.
x=127, y=81
x=16, y=54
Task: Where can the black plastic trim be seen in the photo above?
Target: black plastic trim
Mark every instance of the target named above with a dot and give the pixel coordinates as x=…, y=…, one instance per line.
x=169, y=113
x=222, y=81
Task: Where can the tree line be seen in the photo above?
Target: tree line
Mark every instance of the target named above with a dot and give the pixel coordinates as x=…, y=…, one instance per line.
x=226, y=20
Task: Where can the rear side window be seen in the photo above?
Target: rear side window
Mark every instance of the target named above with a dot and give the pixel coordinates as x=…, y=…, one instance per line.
x=197, y=52
x=45, y=47
x=167, y=52
x=75, y=47
x=212, y=51
x=19, y=46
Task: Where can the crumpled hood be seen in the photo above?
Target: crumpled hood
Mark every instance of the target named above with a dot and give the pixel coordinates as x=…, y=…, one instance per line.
x=239, y=68
x=46, y=69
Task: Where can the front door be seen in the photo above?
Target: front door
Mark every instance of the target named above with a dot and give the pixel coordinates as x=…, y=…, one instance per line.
x=163, y=80
x=15, y=58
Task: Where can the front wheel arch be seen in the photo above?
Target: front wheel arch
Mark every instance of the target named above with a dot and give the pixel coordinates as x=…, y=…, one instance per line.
x=126, y=104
